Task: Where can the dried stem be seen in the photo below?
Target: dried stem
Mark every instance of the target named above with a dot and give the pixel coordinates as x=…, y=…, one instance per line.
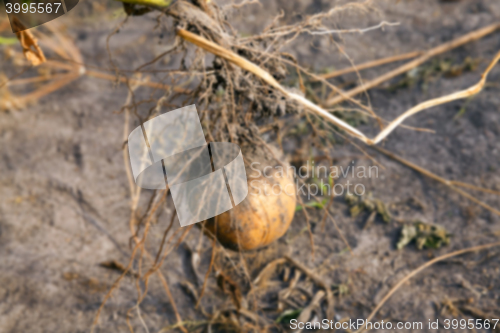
x=318, y=280
x=155, y=85
x=269, y=79
x=207, y=274
x=152, y=3
x=446, y=182
x=470, y=37
x=475, y=89
x=371, y=64
x=421, y=268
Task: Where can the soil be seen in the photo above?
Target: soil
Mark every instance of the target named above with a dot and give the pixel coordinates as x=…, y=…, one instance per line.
x=64, y=196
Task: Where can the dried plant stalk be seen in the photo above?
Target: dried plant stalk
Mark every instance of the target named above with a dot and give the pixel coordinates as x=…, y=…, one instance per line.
x=265, y=76
x=451, y=184
x=269, y=79
x=475, y=89
x=153, y=3
x=470, y=37
x=371, y=64
x=29, y=43
x=421, y=268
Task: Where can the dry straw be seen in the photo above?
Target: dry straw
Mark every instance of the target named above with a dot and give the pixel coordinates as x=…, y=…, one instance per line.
x=269, y=79
x=420, y=269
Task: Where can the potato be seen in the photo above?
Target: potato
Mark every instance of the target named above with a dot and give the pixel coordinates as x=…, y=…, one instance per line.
x=260, y=219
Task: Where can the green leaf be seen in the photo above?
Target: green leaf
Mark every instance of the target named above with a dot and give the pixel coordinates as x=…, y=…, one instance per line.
x=383, y=211
x=312, y=204
x=359, y=204
x=8, y=40
x=426, y=235
x=341, y=289
x=154, y=3
x=288, y=315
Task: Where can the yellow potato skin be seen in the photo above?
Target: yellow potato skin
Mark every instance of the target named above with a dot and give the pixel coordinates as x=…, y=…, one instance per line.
x=260, y=219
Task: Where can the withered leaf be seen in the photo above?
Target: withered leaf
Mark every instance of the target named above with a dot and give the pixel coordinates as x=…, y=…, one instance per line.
x=29, y=43
x=425, y=235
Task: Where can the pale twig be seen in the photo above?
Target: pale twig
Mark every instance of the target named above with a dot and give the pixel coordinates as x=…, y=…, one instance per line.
x=126, y=157
x=63, y=47
x=243, y=3
x=264, y=75
x=135, y=191
x=9, y=80
x=140, y=319
x=207, y=274
x=318, y=280
x=113, y=287
x=268, y=270
x=141, y=242
x=473, y=187
x=371, y=64
x=36, y=79
x=308, y=223
x=470, y=37
x=122, y=79
x=361, y=31
x=416, y=129
x=438, y=101
x=269, y=79
x=305, y=314
x=313, y=21
x=172, y=301
x=339, y=231
x=62, y=81
x=65, y=43
x=152, y=3
x=421, y=268
x=446, y=182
